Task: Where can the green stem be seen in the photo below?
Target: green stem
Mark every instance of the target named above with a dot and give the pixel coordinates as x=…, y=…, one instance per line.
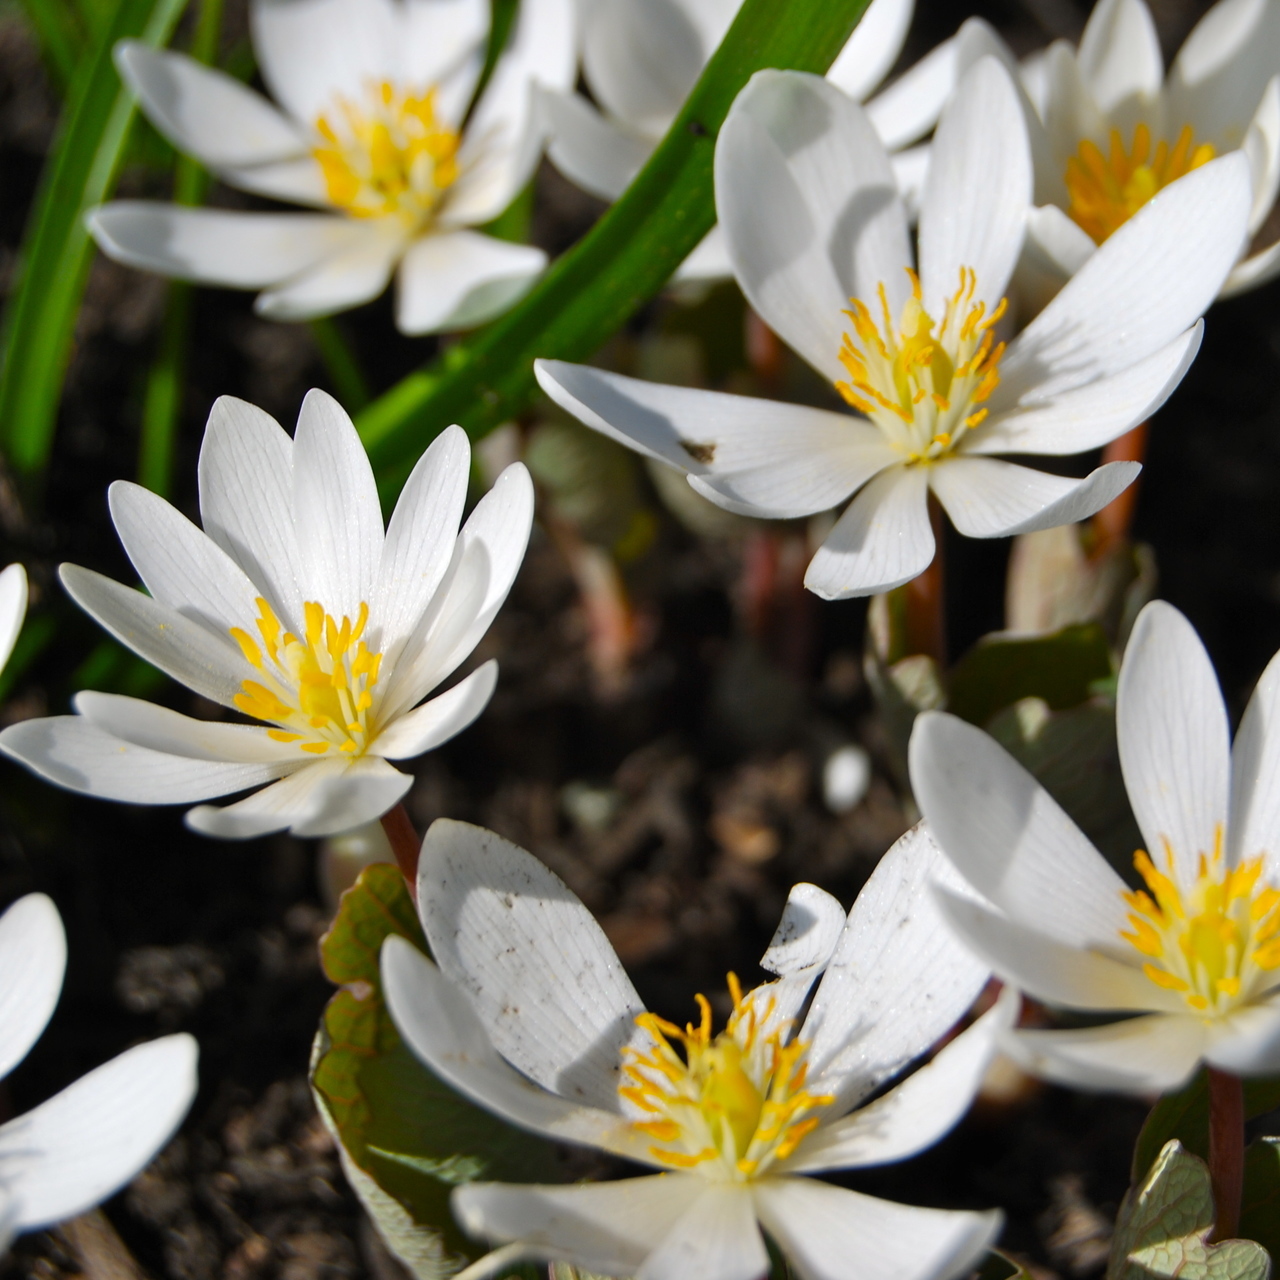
x=340, y=364
x=1226, y=1150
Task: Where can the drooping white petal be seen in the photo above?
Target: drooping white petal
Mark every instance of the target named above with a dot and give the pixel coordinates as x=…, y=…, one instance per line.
x=1089, y=416
x=873, y=48
x=167, y=639
x=760, y=457
x=991, y=498
x=1125, y=303
x=85, y=1143
x=1009, y=838
x=605, y=1227
x=915, y=1114
x=179, y=565
x=220, y=246
x=910, y=106
x=715, y=1239
x=806, y=196
x=246, y=501
x=420, y=538
x=206, y=113
x=1120, y=60
x=13, y=608
x=75, y=753
x=356, y=274
x=539, y=972
x=336, y=512
x=456, y=279
x=33, y=959
x=1155, y=1053
x=897, y=981
x=594, y=153
x=882, y=540
x=974, y=209
x=441, y=1027
x=1253, y=829
x=437, y=721
x=1247, y=1042
x=820, y=1228
x=1171, y=726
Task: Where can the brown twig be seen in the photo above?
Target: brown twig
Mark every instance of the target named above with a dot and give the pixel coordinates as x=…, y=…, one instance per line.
x=1226, y=1150
x=1112, y=524
x=405, y=844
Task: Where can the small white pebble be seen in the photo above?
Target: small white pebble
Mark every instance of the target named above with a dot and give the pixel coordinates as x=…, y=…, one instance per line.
x=845, y=778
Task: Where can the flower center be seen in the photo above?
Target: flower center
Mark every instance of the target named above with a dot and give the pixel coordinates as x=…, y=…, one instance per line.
x=318, y=689
x=922, y=383
x=1106, y=191
x=1213, y=943
x=735, y=1101
x=389, y=156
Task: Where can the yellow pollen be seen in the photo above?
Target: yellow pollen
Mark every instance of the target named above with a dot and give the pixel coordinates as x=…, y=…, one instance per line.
x=920, y=382
x=1107, y=190
x=1214, y=942
x=387, y=156
x=318, y=690
x=735, y=1101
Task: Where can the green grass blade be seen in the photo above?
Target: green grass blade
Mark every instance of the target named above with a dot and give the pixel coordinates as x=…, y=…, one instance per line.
x=57, y=250
x=340, y=363
x=625, y=259
x=61, y=40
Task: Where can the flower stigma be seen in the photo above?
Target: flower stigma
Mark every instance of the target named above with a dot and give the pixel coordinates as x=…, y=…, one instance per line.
x=1107, y=190
x=317, y=689
x=389, y=157
x=921, y=383
x=1213, y=943
x=733, y=1103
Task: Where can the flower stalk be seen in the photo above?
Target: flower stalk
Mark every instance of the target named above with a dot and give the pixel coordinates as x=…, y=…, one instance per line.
x=404, y=844
x=926, y=611
x=1226, y=1150
x=1112, y=524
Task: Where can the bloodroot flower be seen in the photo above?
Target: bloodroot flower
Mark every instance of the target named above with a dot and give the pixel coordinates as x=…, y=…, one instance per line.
x=530, y=1014
x=294, y=608
x=1195, y=951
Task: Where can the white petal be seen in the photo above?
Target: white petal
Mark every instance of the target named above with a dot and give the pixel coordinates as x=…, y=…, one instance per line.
x=13, y=608
x=1090, y=416
x=991, y=498
x=356, y=274
x=299, y=181
x=420, y=539
x=593, y=153
x=974, y=209
x=456, y=279
x=33, y=959
x=206, y=113
x=178, y=564
x=1262, y=147
x=1155, y=1053
x=1146, y=284
x=910, y=106
x=1254, y=827
x=1253, y=272
x=167, y=639
x=605, y=1227
x=85, y=1143
x=709, y=261
x=897, y=981
x=873, y=48
x=1171, y=726
x=435, y=722
x=1070, y=116
x=1008, y=837
x=821, y=1228
x=807, y=200
x=246, y=501
x=73, y=752
x=538, y=969
x=916, y=1113
x=716, y=1239
x=1120, y=60
x=219, y=246
x=882, y=540
x=336, y=512
x=761, y=457
x=441, y=36
x=440, y=1026
x=910, y=173
x=1247, y=1042
x=1065, y=245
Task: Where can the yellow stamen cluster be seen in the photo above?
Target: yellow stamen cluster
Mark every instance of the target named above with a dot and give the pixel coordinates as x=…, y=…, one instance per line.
x=1107, y=190
x=733, y=1103
x=1212, y=943
x=390, y=157
x=923, y=388
x=319, y=689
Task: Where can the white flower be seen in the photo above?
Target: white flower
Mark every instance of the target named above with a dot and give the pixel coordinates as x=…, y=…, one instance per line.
x=806, y=197
x=293, y=607
x=531, y=1015
x=373, y=127
x=1196, y=952
x=82, y=1145
x=13, y=608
